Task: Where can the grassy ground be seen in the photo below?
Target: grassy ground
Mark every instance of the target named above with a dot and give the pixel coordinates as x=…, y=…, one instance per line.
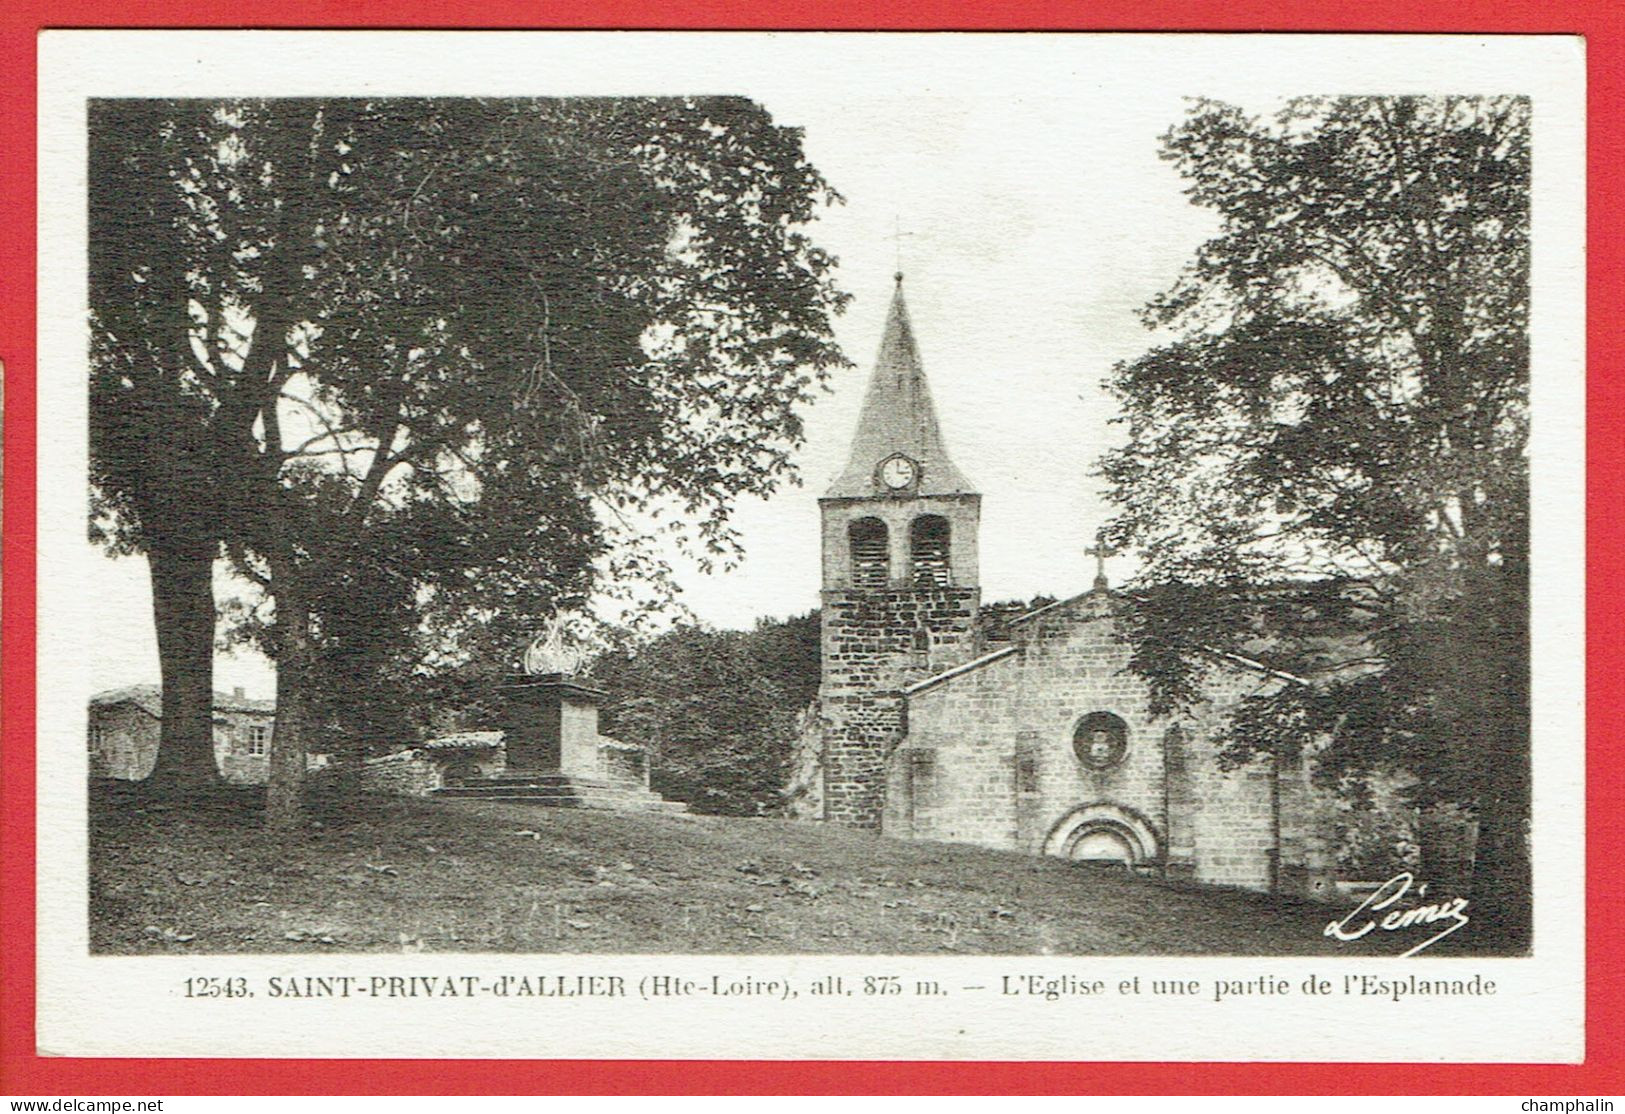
x=441, y=876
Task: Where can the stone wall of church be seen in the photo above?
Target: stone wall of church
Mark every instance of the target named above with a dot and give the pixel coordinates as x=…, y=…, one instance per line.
x=874, y=643
x=1002, y=738
x=990, y=759
x=955, y=777
x=1228, y=816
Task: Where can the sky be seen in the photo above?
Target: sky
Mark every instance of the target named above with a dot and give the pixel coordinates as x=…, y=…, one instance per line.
x=1032, y=231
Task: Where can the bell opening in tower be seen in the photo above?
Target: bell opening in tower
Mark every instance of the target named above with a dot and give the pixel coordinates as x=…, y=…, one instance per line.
x=929, y=537
x=871, y=553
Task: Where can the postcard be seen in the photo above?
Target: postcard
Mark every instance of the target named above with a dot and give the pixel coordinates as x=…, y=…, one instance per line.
x=811, y=546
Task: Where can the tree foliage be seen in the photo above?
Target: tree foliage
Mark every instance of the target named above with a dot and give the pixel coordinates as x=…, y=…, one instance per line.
x=455, y=353
x=718, y=709
x=1326, y=465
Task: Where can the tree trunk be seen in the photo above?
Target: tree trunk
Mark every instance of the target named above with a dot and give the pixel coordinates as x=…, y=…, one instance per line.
x=1502, y=884
x=1502, y=893
x=182, y=572
x=284, y=798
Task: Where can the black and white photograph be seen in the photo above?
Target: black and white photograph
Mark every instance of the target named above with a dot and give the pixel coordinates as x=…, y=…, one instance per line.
x=819, y=500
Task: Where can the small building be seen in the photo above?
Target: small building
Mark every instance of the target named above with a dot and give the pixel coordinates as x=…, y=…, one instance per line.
x=123, y=734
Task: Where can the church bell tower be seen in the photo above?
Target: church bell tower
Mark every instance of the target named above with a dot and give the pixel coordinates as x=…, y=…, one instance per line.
x=900, y=587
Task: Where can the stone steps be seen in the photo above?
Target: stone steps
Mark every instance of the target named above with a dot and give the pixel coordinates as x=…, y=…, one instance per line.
x=560, y=791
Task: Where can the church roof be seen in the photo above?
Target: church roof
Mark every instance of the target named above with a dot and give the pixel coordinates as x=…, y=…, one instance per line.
x=969, y=667
x=1227, y=656
x=898, y=417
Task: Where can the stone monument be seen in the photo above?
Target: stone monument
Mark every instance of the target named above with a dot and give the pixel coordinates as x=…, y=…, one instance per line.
x=553, y=753
x=550, y=713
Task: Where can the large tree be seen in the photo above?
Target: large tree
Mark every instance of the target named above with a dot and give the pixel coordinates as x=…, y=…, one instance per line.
x=1326, y=464
x=462, y=346
x=156, y=431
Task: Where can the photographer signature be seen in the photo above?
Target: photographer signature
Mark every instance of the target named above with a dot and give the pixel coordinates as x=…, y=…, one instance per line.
x=1363, y=919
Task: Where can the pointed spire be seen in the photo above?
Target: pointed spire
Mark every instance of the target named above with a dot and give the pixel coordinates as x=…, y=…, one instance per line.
x=898, y=419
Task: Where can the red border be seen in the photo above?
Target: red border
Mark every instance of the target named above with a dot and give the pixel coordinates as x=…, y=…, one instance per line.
x=1602, y=22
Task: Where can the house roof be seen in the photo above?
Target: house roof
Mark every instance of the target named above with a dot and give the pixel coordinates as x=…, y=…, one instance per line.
x=465, y=740
x=898, y=417
x=230, y=702
x=149, y=698
x=146, y=697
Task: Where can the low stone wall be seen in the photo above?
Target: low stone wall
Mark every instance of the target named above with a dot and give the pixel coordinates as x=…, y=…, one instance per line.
x=406, y=773
x=242, y=769
x=417, y=771
x=624, y=764
x=123, y=742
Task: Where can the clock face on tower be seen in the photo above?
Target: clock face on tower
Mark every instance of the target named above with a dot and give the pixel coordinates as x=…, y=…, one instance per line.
x=898, y=472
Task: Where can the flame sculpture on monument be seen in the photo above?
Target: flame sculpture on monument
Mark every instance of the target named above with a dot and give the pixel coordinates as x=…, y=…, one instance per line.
x=554, y=652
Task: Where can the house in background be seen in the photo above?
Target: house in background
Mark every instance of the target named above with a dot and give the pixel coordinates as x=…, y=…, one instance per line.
x=123, y=734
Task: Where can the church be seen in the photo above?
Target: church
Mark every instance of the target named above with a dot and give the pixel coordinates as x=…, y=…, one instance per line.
x=1040, y=740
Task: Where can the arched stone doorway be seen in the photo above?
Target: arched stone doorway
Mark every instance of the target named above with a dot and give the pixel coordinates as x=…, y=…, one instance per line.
x=1102, y=846
x=1104, y=835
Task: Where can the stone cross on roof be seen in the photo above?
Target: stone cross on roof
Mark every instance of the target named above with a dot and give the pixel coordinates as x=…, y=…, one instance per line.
x=897, y=244
x=1100, y=551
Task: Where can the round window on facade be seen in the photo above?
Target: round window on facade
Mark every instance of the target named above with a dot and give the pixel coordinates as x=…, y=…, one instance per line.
x=1100, y=740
